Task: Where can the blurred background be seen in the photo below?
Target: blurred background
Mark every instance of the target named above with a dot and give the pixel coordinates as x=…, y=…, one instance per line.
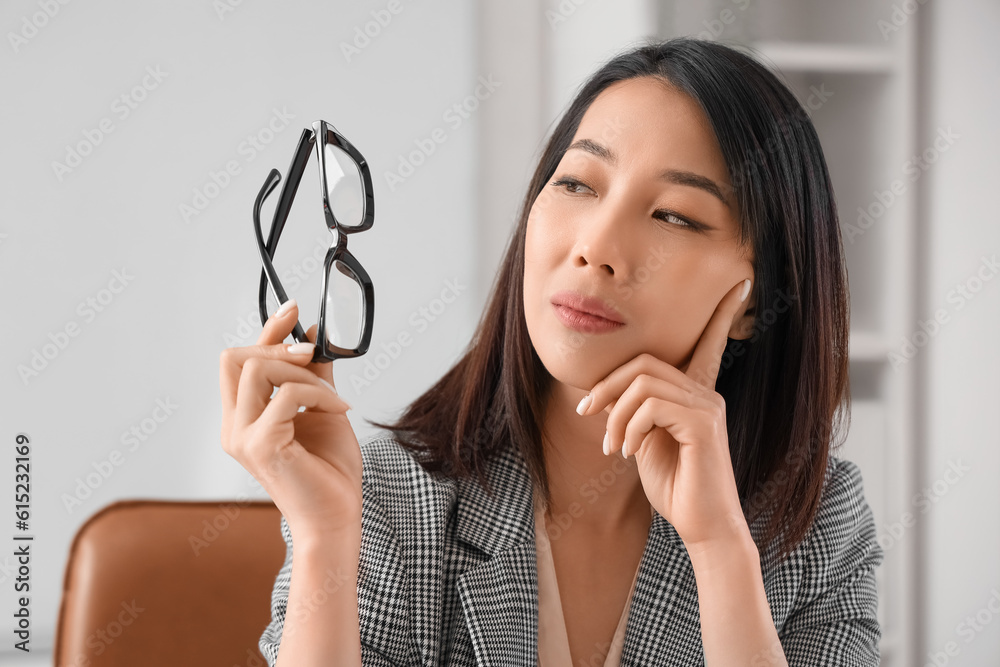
x=136, y=137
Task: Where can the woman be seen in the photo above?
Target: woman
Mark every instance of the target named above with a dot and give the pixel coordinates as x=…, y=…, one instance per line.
x=631, y=462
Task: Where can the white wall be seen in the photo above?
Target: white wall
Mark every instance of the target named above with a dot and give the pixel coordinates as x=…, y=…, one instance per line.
x=582, y=35
x=190, y=284
x=962, y=363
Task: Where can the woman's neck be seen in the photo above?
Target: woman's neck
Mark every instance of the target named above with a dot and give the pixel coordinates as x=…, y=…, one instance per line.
x=596, y=492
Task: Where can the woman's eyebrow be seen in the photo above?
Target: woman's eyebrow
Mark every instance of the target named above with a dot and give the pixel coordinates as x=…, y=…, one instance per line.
x=676, y=176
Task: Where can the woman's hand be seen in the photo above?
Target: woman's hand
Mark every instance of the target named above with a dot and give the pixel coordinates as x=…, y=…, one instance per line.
x=308, y=462
x=674, y=422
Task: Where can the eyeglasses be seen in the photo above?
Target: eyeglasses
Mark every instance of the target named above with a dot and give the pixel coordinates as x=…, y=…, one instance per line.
x=349, y=208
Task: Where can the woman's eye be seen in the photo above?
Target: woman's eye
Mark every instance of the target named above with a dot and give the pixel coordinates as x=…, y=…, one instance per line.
x=673, y=219
x=570, y=183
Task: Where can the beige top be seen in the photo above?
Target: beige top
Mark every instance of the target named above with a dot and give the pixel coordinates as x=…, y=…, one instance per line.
x=553, y=641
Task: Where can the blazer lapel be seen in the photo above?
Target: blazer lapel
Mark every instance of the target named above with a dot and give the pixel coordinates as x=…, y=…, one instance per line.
x=425, y=553
x=501, y=611
x=500, y=596
x=400, y=583
x=664, y=624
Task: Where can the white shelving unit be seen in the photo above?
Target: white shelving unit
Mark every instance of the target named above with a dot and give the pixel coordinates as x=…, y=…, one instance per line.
x=854, y=52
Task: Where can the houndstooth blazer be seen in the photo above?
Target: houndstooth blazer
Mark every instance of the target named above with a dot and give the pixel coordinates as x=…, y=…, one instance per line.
x=447, y=575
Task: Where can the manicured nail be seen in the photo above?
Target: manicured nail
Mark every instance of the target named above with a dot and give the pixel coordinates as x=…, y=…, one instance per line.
x=746, y=290
x=329, y=386
x=607, y=444
x=285, y=307
x=584, y=404
x=302, y=348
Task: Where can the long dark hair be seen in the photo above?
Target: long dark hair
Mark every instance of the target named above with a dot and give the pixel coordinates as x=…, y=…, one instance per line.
x=783, y=386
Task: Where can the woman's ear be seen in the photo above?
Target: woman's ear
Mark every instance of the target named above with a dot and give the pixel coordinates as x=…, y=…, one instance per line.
x=743, y=324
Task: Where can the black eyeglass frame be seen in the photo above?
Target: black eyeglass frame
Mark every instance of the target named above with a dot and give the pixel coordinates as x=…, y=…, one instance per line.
x=321, y=134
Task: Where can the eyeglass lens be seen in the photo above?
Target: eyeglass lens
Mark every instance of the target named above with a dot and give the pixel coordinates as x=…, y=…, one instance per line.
x=344, y=186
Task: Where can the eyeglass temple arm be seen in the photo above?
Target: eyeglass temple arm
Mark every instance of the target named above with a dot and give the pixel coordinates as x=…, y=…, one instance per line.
x=291, y=186
x=268, y=274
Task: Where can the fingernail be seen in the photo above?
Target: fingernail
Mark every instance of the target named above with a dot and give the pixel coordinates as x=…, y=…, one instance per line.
x=584, y=404
x=285, y=307
x=607, y=445
x=746, y=290
x=302, y=348
x=329, y=386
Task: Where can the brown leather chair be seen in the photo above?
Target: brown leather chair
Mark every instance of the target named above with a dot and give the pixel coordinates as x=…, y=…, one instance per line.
x=157, y=582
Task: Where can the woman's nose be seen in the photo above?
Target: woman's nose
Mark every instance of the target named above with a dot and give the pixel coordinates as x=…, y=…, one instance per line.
x=599, y=241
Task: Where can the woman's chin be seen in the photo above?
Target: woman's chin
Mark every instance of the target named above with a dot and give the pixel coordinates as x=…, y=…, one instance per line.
x=578, y=360
x=584, y=366
x=576, y=370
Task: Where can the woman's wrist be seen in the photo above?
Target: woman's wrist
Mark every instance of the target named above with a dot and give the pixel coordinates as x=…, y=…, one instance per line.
x=739, y=547
x=325, y=544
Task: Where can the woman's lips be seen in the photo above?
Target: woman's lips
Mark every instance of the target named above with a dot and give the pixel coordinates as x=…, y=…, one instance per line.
x=584, y=322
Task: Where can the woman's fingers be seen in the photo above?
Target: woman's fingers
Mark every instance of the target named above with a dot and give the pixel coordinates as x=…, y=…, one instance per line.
x=259, y=378
x=280, y=324
x=642, y=388
x=232, y=360
x=314, y=430
x=281, y=411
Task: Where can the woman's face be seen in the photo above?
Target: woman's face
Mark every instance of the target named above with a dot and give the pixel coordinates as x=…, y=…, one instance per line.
x=661, y=251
